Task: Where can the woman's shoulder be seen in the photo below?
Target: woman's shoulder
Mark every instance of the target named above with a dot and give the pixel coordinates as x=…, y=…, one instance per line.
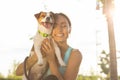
x=75, y=58
x=76, y=53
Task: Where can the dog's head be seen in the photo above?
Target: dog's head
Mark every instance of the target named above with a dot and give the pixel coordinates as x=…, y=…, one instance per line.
x=46, y=19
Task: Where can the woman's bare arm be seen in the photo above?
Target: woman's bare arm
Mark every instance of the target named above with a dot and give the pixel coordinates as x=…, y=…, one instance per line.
x=73, y=65
x=29, y=63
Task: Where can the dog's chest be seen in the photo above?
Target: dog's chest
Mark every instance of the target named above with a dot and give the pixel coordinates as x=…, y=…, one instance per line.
x=39, y=38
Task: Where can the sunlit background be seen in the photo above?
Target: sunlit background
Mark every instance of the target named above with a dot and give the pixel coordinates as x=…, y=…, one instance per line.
x=18, y=25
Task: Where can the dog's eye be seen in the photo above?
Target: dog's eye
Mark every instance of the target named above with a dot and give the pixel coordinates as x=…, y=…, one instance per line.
x=42, y=15
x=51, y=15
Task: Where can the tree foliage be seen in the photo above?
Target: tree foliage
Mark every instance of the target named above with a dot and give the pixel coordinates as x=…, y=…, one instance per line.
x=104, y=62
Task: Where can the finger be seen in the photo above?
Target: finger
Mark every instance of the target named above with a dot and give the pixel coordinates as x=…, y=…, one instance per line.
x=45, y=47
x=48, y=44
x=51, y=42
x=44, y=41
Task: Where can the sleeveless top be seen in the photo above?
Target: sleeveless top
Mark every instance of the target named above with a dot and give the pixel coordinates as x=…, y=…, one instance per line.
x=65, y=59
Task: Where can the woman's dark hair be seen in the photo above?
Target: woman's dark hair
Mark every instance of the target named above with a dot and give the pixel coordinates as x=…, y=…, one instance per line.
x=64, y=16
x=51, y=77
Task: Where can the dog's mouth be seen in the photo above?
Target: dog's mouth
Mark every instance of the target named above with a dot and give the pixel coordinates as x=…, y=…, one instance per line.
x=47, y=24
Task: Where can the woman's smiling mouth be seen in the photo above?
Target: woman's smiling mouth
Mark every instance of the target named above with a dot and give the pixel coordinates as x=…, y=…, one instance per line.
x=59, y=35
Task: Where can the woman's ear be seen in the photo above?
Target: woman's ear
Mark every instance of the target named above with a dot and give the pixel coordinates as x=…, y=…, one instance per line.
x=69, y=29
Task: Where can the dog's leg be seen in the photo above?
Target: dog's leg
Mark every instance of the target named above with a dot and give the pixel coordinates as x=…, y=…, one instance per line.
x=39, y=54
x=58, y=54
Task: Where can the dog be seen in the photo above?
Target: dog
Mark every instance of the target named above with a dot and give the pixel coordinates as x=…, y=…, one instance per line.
x=45, y=26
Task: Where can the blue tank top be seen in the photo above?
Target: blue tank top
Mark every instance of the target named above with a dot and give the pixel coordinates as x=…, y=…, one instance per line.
x=66, y=58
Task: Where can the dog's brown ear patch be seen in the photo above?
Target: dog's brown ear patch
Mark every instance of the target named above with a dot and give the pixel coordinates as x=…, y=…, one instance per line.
x=37, y=15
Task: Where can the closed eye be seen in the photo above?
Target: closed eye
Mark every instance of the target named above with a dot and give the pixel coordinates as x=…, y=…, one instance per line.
x=64, y=26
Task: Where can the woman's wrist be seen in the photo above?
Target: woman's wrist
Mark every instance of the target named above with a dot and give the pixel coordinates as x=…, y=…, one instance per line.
x=51, y=59
x=54, y=70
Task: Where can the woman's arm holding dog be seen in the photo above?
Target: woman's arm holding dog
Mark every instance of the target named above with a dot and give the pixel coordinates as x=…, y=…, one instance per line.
x=29, y=63
x=72, y=66
x=48, y=49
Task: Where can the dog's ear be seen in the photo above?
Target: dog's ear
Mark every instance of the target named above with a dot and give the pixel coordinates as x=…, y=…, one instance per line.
x=37, y=15
x=52, y=13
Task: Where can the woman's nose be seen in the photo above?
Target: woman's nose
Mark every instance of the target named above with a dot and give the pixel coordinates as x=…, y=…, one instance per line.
x=60, y=28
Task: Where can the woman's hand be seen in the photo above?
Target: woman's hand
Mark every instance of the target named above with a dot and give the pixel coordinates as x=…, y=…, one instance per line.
x=48, y=50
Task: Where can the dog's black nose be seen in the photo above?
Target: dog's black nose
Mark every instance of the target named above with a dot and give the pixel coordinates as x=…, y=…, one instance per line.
x=48, y=18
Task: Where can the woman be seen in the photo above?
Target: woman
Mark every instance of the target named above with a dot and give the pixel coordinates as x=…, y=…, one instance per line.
x=72, y=57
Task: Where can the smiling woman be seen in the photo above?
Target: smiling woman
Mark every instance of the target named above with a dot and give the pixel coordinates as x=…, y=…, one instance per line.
x=72, y=57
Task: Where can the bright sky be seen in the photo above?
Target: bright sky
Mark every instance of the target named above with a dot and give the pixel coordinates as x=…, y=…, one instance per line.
x=18, y=24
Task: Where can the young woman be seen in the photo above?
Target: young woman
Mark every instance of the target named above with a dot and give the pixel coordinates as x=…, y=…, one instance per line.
x=72, y=57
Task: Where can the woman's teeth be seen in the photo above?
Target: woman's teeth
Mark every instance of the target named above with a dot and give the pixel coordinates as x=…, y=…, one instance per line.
x=59, y=35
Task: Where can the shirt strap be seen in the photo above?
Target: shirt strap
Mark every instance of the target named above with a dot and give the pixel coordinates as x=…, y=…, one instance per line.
x=67, y=55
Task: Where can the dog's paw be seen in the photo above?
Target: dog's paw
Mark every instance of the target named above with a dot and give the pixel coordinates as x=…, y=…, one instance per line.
x=62, y=64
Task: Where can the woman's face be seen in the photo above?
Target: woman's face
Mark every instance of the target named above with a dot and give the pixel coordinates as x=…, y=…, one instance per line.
x=61, y=31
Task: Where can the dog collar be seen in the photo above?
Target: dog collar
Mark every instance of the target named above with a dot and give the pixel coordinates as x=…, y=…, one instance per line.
x=43, y=34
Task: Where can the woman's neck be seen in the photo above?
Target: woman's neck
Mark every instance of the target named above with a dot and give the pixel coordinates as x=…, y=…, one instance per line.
x=62, y=44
